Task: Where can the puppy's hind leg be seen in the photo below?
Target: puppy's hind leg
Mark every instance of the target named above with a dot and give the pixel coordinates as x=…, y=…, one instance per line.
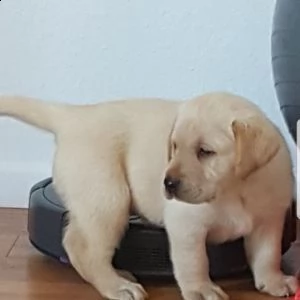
x=98, y=199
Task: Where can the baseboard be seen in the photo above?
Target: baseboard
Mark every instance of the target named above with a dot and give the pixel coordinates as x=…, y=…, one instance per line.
x=17, y=178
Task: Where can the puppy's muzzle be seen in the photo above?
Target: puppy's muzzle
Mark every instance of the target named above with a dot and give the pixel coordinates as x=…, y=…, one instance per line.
x=171, y=185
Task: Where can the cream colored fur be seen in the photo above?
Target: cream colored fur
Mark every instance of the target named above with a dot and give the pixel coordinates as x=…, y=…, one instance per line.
x=112, y=158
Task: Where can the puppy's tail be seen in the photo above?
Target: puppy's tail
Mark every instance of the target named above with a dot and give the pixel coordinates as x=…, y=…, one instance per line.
x=44, y=115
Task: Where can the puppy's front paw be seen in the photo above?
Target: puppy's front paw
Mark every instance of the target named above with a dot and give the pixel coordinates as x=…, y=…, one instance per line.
x=277, y=285
x=206, y=291
x=127, y=291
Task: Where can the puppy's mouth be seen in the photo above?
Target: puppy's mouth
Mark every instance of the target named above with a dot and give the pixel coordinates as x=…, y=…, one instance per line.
x=189, y=200
x=169, y=196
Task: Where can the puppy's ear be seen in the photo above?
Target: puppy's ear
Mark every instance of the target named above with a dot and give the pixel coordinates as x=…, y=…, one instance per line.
x=256, y=144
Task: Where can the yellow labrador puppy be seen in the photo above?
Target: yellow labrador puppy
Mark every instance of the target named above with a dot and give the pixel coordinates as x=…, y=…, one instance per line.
x=213, y=168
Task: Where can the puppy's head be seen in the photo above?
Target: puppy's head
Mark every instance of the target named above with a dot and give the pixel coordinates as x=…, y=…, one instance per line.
x=216, y=141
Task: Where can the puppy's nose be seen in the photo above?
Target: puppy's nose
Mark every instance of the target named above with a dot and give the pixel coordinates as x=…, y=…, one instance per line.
x=171, y=184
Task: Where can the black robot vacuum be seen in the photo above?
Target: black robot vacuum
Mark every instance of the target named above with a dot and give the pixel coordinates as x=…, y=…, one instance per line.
x=144, y=249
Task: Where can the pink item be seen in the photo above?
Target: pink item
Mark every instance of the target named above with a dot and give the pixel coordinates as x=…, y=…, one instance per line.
x=297, y=295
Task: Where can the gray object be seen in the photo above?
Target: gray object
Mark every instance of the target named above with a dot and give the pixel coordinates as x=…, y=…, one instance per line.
x=286, y=60
x=286, y=71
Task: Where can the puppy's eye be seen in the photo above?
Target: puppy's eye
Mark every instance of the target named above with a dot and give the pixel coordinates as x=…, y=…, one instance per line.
x=174, y=146
x=203, y=153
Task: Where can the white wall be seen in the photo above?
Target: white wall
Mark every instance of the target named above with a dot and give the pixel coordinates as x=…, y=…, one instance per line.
x=93, y=50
